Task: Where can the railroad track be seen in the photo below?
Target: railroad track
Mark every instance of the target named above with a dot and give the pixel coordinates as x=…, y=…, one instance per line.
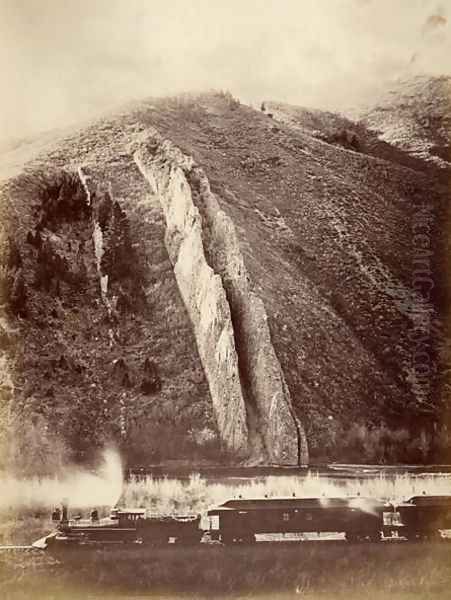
x=12, y=548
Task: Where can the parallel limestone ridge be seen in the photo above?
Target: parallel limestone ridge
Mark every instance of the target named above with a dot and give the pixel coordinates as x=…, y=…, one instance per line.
x=203, y=295
x=249, y=393
x=266, y=393
x=97, y=236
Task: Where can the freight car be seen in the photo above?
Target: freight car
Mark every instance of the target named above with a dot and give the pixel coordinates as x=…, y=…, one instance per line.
x=240, y=520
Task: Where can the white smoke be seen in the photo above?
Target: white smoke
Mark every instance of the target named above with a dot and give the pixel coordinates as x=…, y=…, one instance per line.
x=81, y=487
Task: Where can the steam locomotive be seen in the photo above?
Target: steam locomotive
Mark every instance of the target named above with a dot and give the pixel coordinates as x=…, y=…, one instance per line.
x=241, y=520
x=123, y=526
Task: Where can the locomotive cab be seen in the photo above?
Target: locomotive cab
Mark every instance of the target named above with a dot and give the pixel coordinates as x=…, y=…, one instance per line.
x=127, y=517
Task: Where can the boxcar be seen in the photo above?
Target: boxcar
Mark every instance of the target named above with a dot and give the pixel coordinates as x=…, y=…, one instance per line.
x=240, y=520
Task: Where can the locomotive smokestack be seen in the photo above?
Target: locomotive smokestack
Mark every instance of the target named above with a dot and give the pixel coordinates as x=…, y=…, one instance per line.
x=64, y=505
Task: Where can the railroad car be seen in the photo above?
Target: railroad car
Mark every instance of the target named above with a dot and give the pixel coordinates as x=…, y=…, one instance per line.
x=423, y=517
x=240, y=520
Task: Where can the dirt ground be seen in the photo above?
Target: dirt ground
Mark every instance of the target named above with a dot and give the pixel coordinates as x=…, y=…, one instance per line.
x=324, y=569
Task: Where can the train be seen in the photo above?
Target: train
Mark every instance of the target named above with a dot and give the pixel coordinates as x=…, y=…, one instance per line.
x=240, y=521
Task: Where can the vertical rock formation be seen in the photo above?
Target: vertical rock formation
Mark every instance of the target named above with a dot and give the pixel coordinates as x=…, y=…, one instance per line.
x=249, y=393
x=202, y=293
x=97, y=237
x=266, y=393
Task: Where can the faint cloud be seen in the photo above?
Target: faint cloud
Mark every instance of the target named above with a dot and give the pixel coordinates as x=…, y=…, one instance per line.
x=436, y=21
x=62, y=61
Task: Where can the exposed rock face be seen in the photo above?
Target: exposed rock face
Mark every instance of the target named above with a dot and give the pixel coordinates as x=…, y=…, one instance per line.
x=97, y=237
x=97, y=233
x=267, y=396
x=251, y=399
x=202, y=292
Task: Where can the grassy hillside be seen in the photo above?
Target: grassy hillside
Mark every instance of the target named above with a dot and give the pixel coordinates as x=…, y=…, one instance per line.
x=326, y=229
x=415, y=115
x=81, y=371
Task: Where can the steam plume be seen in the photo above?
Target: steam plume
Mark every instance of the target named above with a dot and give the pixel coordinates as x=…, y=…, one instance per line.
x=82, y=488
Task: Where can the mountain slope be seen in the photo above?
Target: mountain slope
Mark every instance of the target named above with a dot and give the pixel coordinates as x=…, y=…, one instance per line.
x=415, y=115
x=194, y=279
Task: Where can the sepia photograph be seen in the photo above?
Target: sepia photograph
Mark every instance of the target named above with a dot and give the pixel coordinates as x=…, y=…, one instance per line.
x=225, y=300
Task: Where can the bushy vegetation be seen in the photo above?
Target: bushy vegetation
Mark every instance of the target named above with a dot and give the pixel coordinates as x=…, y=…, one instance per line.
x=121, y=260
x=232, y=102
x=343, y=137
x=86, y=370
x=197, y=494
x=360, y=442
x=62, y=199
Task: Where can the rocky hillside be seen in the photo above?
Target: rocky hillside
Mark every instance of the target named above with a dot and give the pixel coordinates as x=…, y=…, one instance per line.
x=193, y=279
x=415, y=115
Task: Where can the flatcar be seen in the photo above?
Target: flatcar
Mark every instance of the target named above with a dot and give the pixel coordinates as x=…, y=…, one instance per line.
x=241, y=520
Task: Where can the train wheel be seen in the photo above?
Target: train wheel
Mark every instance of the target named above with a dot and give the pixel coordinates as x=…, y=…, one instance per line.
x=431, y=536
x=248, y=539
x=352, y=537
x=227, y=539
x=375, y=536
x=411, y=535
x=155, y=542
x=189, y=540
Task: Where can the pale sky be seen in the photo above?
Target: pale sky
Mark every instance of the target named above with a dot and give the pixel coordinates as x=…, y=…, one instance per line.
x=62, y=60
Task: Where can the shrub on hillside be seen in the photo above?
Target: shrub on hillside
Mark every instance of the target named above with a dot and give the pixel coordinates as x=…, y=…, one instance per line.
x=13, y=290
x=55, y=197
x=18, y=295
x=376, y=443
x=343, y=137
x=151, y=383
x=120, y=260
x=232, y=103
